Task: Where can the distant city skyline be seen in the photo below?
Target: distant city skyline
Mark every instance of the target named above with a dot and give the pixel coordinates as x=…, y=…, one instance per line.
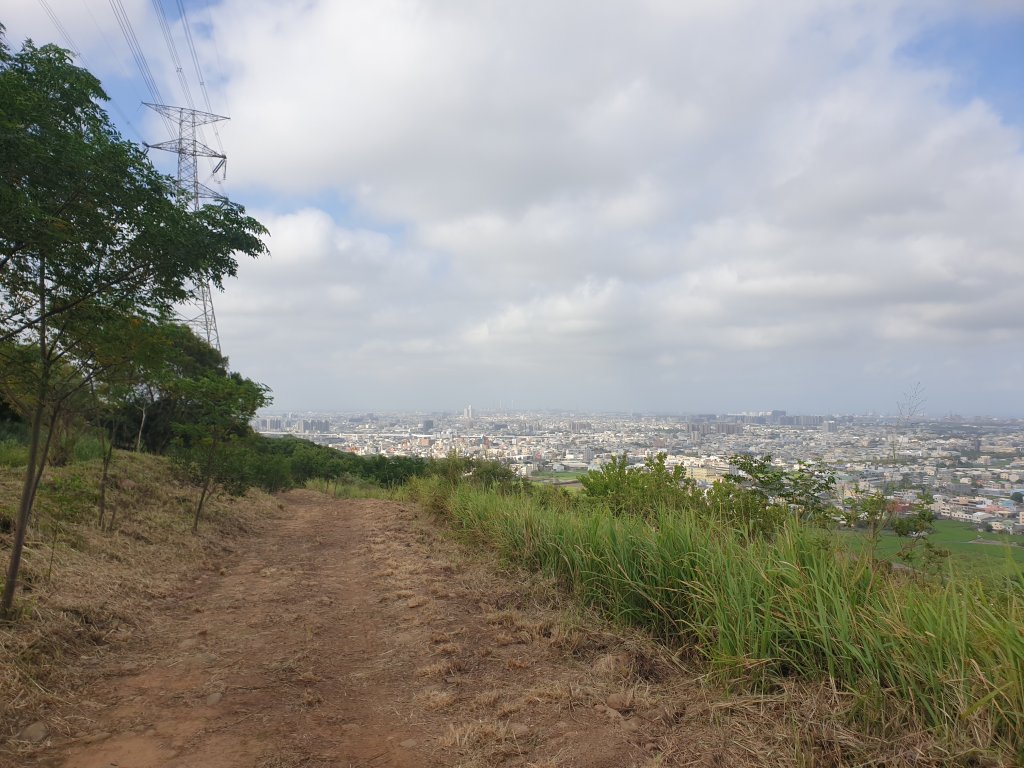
x=485, y=409
x=702, y=206
x=772, y=415
x=968, y=472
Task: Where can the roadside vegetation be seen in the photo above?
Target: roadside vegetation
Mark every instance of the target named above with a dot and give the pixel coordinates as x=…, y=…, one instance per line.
x=750, y=580
x=83, y=592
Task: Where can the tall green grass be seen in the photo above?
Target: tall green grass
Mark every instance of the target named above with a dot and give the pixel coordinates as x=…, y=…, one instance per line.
x=88, y=447
x=945, y=655
x=13, y=453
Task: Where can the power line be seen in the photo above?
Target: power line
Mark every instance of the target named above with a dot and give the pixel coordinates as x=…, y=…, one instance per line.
x=139, y=56
x=77, y=51
x=186, y=123
x=199, y=70
x=173, y=50
x=62, y=30
x=216, y=49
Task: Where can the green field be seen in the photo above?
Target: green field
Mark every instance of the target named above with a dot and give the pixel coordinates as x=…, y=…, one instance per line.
x=556, y=477
x=1000, y=555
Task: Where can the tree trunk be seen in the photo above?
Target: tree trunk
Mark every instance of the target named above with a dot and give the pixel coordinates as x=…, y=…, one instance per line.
x=106, y=464
x=108, y=452
x=138, y=437
x=33, y=471
x=35, y=464
x=44, y=455
x=199, y=507
x=207, y=483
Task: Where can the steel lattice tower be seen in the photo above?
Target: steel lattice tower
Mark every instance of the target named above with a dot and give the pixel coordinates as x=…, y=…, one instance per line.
x=188, y=147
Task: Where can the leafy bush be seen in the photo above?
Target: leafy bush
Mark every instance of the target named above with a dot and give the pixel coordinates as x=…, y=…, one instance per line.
x=455, y=470
x=805, y=490
x=88, y=446
x=432, y=492
x=745, y=511
x=308, y=461
x=641, y=490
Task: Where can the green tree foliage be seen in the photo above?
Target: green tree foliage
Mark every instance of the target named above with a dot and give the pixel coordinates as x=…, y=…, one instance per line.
x=133, y=354
x=86, y=216
x=639, y=490
x=210, y=448
x=806, y=490
x=749, y=512
x=913, y=530
x=89, y=231
x=871, y=511
x=295, y=461
x=755, y=502
x=151, y=404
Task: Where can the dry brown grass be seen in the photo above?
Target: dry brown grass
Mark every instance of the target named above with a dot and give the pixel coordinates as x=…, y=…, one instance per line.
x=83, y=592
x=435, y=699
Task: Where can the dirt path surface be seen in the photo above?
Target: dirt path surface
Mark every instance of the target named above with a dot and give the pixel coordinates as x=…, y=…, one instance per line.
x=354, y=633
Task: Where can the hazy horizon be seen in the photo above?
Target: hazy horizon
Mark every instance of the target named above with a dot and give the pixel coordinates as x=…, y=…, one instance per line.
x=498, y=409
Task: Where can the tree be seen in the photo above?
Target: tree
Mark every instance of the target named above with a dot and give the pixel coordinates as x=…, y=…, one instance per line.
x=640, y=490
x=169, y=353
x=875, y=511
x=806, y=489
x=908, y=408
x=88, y=229
x=220, y=409
x=132, y=353
x=1017, y=497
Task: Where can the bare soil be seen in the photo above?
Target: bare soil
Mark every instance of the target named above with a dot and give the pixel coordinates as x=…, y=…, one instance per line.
x=359, y=633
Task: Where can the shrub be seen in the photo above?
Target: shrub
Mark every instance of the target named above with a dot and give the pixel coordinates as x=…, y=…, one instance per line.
x=641, y=490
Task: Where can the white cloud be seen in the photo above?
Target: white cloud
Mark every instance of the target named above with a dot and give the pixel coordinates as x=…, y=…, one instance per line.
x=624, y=203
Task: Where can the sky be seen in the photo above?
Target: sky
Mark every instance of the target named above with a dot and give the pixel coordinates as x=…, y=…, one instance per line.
x=643, y=205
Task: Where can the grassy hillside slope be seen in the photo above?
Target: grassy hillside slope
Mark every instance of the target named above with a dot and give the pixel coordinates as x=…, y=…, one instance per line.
x=82, y=588
x=941, y=657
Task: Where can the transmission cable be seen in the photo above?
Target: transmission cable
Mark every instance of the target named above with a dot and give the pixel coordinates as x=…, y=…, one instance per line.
x=199, y=70
x=173, y=50
x=140, y=57
x=77, y=51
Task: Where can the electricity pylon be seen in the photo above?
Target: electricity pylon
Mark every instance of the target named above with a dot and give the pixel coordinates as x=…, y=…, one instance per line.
x=188, y=147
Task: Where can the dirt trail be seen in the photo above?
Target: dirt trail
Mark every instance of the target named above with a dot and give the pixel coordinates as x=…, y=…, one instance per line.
x=352, y=633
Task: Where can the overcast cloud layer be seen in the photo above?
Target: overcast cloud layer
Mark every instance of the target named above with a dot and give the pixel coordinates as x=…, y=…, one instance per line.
x=658, y=205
